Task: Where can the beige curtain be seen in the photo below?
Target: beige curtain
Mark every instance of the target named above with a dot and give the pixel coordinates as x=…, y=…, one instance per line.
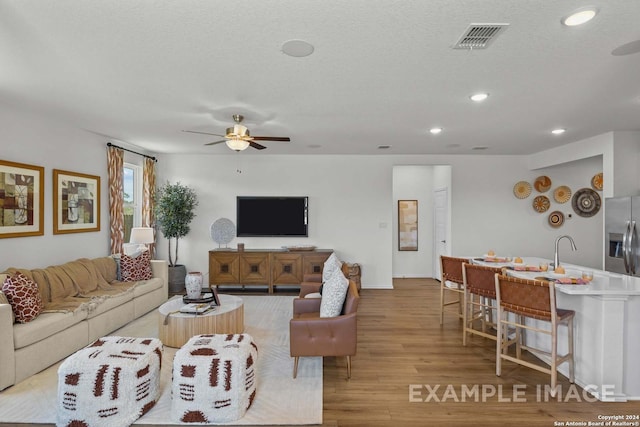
x=148, y=200
x=115, y=161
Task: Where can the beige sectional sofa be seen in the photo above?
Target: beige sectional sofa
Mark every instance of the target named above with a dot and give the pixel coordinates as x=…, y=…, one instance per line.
x=83, y=300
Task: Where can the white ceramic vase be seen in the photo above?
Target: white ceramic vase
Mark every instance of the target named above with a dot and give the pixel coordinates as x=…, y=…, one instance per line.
x=193, y=284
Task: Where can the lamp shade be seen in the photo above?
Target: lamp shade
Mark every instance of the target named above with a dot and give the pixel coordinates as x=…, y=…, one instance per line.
x=141, y=235
x=237, y=144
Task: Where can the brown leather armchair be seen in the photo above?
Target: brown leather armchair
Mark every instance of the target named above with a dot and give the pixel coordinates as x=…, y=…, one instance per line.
x=312, y=335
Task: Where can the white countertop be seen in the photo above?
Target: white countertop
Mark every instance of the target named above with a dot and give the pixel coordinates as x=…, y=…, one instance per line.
x=604, y=283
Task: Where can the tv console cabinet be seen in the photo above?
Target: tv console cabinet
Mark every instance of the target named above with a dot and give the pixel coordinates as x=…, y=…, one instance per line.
x=271, y=267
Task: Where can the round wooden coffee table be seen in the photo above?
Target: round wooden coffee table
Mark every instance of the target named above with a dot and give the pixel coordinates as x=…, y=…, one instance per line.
x=228, y=318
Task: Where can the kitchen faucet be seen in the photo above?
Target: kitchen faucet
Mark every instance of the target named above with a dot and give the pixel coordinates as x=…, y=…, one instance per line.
x=556, y=258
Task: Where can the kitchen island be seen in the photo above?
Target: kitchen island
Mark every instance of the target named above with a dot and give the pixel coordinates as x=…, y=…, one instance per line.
x=607, y=330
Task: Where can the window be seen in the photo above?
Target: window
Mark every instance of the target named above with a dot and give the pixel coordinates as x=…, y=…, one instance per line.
x=132, y=198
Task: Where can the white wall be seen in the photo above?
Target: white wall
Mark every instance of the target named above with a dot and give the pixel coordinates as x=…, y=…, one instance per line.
x=352, y=205
x=349, y=203
x=351, y=200
x=414, y=183
x=38, y=140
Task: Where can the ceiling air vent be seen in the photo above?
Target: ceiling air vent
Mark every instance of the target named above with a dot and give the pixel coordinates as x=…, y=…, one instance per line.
x=479, y=36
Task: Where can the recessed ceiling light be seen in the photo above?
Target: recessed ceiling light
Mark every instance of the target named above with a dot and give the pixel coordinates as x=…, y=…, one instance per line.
x=479, y=147
x=383, y=147
x=558, y=131
x=479, y=97
x=435, y=131
x=297, y=48
x=580, y=16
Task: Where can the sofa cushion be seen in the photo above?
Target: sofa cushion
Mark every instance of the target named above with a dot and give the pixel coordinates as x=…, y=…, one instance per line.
x=44, y=326
x=145, y=286
x=4, y=300
x=330, y=266
x=136, y=268
x=333, y=294
x=22, y=293
x=102, y=302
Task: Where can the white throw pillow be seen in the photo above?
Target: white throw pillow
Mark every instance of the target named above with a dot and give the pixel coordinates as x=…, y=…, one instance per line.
x=312, y=295
x=334, y=292
x=330, y=265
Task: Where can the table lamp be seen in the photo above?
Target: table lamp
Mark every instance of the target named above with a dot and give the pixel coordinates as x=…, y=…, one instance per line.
x=141, y=236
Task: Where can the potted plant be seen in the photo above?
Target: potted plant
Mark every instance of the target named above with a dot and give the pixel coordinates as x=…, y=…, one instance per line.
x=174, y=211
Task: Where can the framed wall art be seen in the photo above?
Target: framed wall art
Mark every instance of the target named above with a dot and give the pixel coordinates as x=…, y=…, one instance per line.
x=407, y=225
x=76, y=202
x=21, y=200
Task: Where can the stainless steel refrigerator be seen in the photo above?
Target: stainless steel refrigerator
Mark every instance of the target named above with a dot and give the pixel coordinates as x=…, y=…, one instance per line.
x=622, y=220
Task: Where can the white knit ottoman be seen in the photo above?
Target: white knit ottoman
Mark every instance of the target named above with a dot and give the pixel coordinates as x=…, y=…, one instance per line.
x=214, y=378
x=112, y=382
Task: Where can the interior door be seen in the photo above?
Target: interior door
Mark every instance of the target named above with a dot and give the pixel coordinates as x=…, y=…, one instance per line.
x=440, y=225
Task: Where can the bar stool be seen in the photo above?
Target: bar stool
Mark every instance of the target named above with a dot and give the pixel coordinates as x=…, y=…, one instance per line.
x=479, y=299
x=451, y=271
x=533, y=299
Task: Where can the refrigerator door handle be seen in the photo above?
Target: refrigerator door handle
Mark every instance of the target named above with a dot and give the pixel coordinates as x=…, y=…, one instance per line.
x=632, y=244
x=625, y=245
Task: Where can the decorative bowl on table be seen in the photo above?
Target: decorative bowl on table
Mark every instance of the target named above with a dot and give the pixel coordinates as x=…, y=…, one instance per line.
x=204, y=298
x=300, y=248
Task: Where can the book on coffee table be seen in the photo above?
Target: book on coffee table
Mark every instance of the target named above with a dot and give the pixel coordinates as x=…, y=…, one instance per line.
x=194, y=308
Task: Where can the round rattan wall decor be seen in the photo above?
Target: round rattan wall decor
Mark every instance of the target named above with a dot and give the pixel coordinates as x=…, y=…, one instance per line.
x=541, y=204
x=542, y=184
x=586, y=202
x=556, y=219
x=562, y=194
x=522, y=189
x=597, y=181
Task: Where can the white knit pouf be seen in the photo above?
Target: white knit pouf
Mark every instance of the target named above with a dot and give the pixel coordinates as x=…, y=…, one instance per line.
x=111, y=383
x=214, y=378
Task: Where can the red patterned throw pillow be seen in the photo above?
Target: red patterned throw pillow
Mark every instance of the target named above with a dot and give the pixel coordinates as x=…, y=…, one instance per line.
x=135, y=268
x=23, y=296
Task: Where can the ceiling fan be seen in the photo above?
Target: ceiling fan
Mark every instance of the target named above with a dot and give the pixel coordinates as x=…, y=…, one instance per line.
x=238, y=137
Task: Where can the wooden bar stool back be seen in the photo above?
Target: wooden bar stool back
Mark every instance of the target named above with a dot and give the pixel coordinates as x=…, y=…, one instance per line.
x=451, y=281
x=532, y=299
x=479, y=299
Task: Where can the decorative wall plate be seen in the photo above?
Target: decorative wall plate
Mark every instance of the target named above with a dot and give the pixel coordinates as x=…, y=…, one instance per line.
x=222, y=231
x=556, y=219
x=562, y=194
x=586, y=202
x=542, y=183
x=597, y=181
x=522, y=189
x=541, y=204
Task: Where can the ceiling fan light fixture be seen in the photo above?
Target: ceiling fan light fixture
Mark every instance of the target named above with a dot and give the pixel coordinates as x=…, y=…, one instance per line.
x=237, y=144
x=237, y=131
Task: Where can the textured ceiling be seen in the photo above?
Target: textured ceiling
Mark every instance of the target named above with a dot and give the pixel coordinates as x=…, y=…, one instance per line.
x=382, y=73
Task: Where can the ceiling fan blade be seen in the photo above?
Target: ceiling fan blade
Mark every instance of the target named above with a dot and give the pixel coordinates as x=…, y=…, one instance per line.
x=271, y=138
x=256, y=145
x=202, y=133
x=215, y=142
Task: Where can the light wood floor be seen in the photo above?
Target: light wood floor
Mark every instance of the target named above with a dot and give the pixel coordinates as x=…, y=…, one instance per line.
x=400, y=343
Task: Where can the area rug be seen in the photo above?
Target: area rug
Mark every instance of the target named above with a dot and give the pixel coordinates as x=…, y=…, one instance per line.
x=280, y=398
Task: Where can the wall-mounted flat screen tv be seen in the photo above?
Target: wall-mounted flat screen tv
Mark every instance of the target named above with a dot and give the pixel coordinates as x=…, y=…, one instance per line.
x=272, y=216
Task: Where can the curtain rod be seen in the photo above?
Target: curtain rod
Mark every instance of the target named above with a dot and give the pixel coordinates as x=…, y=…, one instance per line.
x=131, y=151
